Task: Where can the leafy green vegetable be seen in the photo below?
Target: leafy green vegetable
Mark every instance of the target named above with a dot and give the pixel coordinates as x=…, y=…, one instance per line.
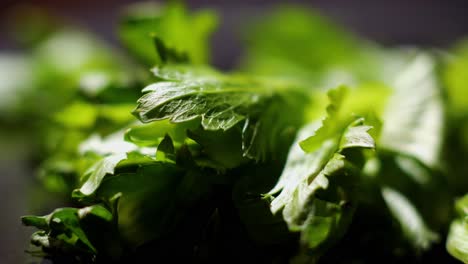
x=97, y=172
x=414, y=115
x=309, y=47
x=254, y=165
x=63, y=227
x=315, y=189
x=457, y=243
x=158, y=34
x=222, y=102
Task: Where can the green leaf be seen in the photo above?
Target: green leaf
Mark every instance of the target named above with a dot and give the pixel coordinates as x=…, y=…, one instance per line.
x=414, y=116
x=186, y=98
x=299, y=166
x=316, y=188
x=332, y=123
x=305, y=168
x=166, y=150
x=118, y=114
x=72, y=232
x=40, y=239
x=357, y=136
x=77, y=115
x=221, y=102
x=62, y=224
x=96, y=173
x=37, y=221
x=309, y=47
x=95, y=210
x=412, y=224
x=147, y=205
x=309, y=40
x=77, y=60
x=114, y=151
x=67, y=218
x=457, y=240
x=341, y=115
x=151, y=134
x=158, y=34
x=223, y=148
x=325, y=225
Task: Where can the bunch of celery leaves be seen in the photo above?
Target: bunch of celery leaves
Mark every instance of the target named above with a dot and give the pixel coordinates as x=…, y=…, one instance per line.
x=320, y=147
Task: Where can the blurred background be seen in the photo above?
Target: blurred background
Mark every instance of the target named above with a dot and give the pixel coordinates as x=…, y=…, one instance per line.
x=431, y=23
x=422, y=22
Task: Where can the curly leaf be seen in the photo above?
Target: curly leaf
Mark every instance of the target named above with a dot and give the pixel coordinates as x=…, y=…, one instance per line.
x=457, y=240
x=316, y=189
x=221, y=102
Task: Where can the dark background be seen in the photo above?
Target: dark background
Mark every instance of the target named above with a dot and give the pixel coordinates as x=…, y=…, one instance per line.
x=433, y=23
x=422, y=22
